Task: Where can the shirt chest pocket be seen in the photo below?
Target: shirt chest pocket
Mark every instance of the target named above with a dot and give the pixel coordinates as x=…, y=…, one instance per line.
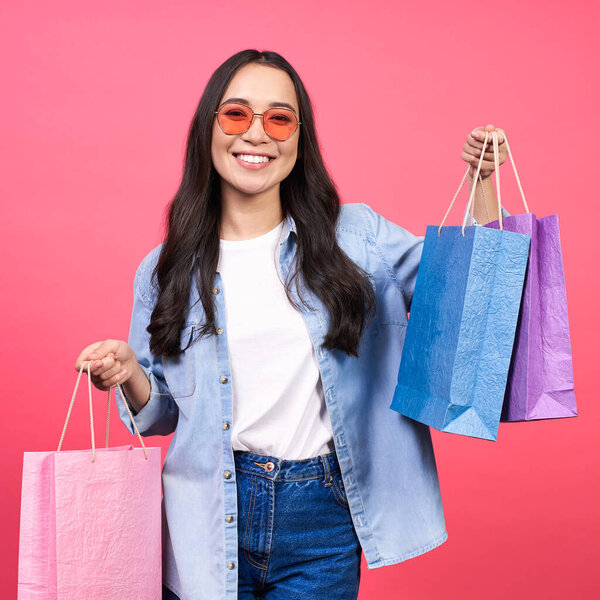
x=180, y=370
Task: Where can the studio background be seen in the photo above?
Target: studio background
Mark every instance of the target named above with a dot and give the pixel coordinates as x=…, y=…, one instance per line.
x=96, y=102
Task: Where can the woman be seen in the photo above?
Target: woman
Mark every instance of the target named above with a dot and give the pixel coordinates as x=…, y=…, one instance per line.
x=269, y=343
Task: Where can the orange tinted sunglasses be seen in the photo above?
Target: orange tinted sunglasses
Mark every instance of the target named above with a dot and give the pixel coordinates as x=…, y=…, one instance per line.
x=279, y=123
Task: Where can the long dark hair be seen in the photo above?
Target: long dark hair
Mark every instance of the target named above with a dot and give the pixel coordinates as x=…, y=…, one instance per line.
x=191, y=244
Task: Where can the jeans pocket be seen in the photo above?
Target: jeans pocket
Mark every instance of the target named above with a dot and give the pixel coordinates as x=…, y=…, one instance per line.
x=338, y=489
x=246, y=485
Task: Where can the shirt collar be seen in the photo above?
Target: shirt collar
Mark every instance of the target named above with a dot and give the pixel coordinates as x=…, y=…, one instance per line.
x=289, y=226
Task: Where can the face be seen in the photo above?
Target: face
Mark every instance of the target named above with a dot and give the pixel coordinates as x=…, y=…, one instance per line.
x=260, y=85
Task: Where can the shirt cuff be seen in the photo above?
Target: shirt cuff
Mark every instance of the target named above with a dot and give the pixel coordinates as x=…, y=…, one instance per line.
x=150, y=413
x=505, y=213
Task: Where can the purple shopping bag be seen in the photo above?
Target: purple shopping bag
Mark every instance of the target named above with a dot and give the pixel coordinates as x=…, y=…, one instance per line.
x=91, y=522
x=540, y=378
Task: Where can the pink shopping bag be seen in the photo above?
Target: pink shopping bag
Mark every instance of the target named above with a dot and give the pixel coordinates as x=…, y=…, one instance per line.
x=91, y=521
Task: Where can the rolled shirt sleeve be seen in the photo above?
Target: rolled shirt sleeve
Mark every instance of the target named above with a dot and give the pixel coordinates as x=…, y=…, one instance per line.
x=398, y=250
x=160, y=414
x=505, y=213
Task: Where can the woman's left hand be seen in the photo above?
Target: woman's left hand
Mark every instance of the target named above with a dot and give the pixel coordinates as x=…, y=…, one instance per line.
x=474, y=145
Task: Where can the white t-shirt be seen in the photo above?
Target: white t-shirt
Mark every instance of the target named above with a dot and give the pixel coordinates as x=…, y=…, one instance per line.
x=278, y=403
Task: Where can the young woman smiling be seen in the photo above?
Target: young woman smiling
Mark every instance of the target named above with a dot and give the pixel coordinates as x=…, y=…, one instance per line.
x=266, y=333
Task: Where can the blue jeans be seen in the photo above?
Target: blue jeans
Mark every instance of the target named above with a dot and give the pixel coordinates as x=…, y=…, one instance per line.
x=296, y=539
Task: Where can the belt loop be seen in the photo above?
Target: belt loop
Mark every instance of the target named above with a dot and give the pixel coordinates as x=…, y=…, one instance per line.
x=326, y=471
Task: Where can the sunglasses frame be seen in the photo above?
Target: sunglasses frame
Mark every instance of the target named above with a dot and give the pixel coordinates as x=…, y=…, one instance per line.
x=298, y=123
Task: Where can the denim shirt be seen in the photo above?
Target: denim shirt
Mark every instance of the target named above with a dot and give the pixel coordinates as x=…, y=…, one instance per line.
x=386, y=459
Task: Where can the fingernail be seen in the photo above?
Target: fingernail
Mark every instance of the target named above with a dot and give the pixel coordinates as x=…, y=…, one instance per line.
x=475, y=134
x=93, y=355
x=97, y=364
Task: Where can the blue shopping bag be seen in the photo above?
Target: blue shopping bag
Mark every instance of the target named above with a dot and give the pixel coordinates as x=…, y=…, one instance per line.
x=461, y=329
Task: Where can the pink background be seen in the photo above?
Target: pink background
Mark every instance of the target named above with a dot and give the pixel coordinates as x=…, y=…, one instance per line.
x=97, y=98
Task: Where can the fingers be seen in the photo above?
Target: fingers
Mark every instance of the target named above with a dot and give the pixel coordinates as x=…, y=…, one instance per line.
x=109, y=363
x=475, y=153
x=105, y=368
x=474, y=148
x=97, y=350
x=486, y=165
x=489, y=147
x=120, y=376
x=477, y=136
x=108, y=373
x=113, y=376
x=84, y=356
x=105, y=348
x=100, y=367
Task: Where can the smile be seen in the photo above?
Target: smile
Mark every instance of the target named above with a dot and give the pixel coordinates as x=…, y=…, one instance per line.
x=250, y=161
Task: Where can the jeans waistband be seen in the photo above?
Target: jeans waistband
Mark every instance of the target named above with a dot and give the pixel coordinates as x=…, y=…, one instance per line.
x=272, y=467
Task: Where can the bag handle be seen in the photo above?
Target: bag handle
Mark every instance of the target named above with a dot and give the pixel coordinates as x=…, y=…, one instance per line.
x=494, y=138
x=88, y=363
x=497, y=169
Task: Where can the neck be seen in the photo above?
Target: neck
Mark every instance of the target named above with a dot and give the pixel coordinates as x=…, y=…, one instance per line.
x=247, y=216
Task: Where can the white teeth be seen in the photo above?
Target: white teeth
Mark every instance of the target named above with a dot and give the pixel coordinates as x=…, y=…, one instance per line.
x=253, y=159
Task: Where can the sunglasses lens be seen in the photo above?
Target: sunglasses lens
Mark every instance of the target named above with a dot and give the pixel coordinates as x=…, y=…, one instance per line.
x=280, y=123
x=234, y=118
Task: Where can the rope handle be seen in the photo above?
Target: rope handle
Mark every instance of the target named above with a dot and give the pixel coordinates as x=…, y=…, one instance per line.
x=487, y=213
x=494, y=138
x=62, y=437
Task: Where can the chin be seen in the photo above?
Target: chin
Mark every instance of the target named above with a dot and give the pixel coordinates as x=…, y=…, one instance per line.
x=250, y=190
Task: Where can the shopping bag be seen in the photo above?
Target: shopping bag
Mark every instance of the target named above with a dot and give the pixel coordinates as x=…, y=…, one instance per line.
x=461, y=329
x=91, y=521
x=540, y=379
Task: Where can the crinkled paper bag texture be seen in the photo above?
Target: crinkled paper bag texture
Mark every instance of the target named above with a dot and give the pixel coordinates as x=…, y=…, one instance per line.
x=461, y=329
x=91, y=530
x=540, y=378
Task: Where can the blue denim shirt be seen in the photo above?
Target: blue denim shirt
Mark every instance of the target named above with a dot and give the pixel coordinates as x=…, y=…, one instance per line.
x=386, y=459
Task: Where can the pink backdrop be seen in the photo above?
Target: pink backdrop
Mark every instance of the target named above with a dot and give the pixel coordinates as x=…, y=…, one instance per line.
x=97, y=97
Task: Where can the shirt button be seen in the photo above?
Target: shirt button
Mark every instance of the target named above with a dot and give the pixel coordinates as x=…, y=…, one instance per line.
x=216, y=290
x=229, y=518
x=219, y=330
x=227, y=474
x=226, y=426
x=223, y=379
x=231, y=565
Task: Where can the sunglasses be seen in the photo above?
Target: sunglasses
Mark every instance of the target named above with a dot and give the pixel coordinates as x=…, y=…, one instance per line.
x=279, y=123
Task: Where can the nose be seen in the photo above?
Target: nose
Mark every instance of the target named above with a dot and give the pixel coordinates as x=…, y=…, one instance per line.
x=257, y=132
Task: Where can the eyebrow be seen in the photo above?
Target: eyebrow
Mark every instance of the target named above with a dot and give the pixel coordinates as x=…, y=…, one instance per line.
x=272, y=105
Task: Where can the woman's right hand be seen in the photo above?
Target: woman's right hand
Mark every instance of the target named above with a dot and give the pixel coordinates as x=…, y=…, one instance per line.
x=113, y=362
